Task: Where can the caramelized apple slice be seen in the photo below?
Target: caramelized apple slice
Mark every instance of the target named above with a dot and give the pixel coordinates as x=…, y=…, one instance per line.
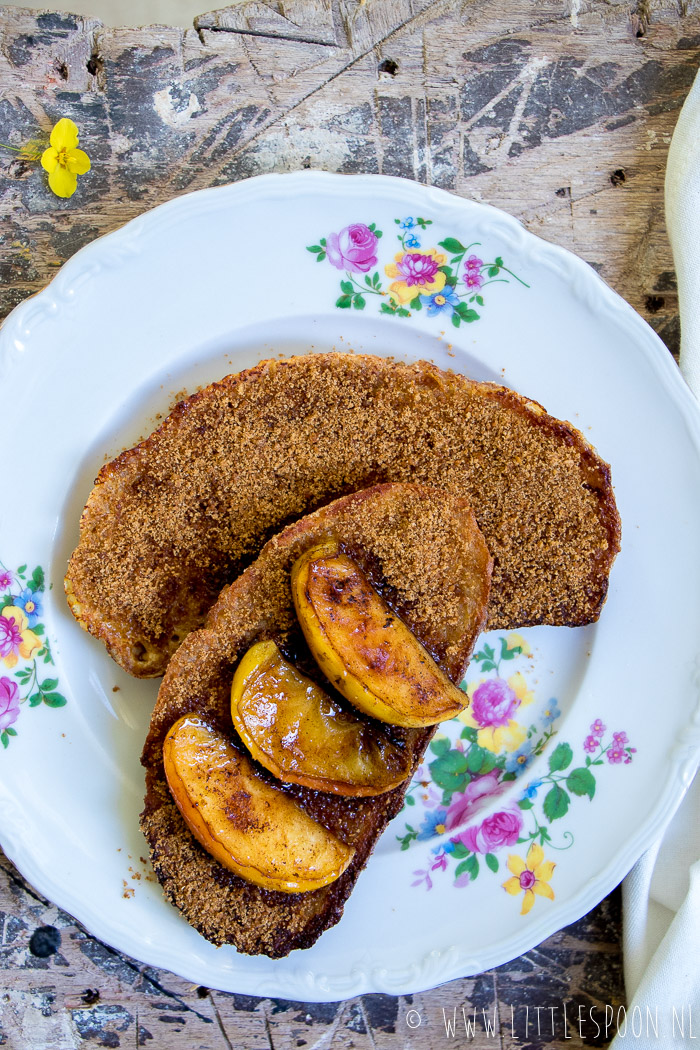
x=363, y=648
x=298, y=732
x=249, y=826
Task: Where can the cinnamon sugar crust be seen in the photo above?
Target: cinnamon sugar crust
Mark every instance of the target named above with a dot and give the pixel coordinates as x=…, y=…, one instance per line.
x=422, y=549
x=174, y=519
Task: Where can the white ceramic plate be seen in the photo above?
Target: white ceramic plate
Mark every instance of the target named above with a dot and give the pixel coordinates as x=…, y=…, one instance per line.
x=211, y=283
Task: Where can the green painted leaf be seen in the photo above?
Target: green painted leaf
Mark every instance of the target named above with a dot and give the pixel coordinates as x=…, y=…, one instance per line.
x=490, y=652
x=560, y=758
x=5, y=739
x=22, y=569
x=449, y=771
x=359, y=302
x=455, y=319
x=344, y=302
x=440, y=747
x=7, y=600
x=35, y=699
x=525, y=803
x=347, y=287
x=409, y=800
x=493, y=271
x=402, y=312
x=323, y=241
x=498, y=261
x=460, y=850
x=451, y=244
x=37, y=580
x=469, y=733
x=451, y=282
x=321, y=257
x=315, y=248
x=371, y=226
x=447, y=270
x=479, y=760
x=386, y=309
x=470, y=866
x=38, y=629
x=480, y=300
x=467, y=313
x=556, y=803
x=54, y=700
x=378, y=233
x=48, y=684
x=581, y=782
x=491, y=861
x=375, y=280
x=11, y=731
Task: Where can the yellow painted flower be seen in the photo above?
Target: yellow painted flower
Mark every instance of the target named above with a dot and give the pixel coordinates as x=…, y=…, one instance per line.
x=63, y=160
x=531, y=875
x=502, y=738
x=418, y=274
x=516, y=641
x=15, y=637
x=519, y=686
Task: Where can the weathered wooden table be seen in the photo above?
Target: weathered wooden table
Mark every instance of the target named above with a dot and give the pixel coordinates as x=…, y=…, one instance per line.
x=559, y=112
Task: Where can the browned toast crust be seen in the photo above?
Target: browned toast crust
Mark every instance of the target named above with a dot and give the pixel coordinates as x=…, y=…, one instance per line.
x=172, y=520
x=422, y=548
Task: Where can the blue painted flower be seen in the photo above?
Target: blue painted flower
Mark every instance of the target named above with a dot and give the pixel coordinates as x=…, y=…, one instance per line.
x=532, y=789
x=407, y=223
x=519, y=760
x=412, y=242
x=551, y=712
x=433, y=824
x=447, y=299
x=31, y=603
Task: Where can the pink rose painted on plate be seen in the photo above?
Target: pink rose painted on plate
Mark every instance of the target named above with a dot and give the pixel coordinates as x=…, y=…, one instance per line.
x=499, y=830
x=493, y=703
x=353, y=249
x=9, y=703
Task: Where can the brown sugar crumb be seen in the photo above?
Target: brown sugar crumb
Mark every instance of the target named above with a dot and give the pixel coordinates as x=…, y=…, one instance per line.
x=176, y=518
x=128, y=891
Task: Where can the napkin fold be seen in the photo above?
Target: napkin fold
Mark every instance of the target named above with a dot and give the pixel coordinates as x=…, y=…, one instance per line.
x=661, y=895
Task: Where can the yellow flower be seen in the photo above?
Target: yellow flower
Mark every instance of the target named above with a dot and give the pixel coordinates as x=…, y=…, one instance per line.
x=515, y=641
x=63, y=161
x=502, y=738
x=419, y=274
x=531, y=875
x=29, y=643
x=519, y=686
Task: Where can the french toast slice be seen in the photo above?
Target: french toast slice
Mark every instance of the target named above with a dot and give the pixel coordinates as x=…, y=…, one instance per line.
x=174, y=519
x=421, y=548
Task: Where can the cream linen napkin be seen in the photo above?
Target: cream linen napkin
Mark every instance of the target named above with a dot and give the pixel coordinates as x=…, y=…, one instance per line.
x=661, y=895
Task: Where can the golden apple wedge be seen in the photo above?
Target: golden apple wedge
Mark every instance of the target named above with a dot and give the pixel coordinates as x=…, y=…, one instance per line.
x=362, y=646
x=302, y=735
x=249, y=826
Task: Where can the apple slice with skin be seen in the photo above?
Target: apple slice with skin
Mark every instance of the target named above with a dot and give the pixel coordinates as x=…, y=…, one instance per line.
x=252, y=828
x=297, y=731
x=363, y=648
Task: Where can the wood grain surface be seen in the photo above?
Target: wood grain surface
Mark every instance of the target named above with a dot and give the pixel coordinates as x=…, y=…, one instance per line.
x=559, y=112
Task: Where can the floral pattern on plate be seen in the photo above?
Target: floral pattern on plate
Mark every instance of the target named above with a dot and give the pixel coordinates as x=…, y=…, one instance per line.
x=24, y=648
x=496, y=742
x=421, y=277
